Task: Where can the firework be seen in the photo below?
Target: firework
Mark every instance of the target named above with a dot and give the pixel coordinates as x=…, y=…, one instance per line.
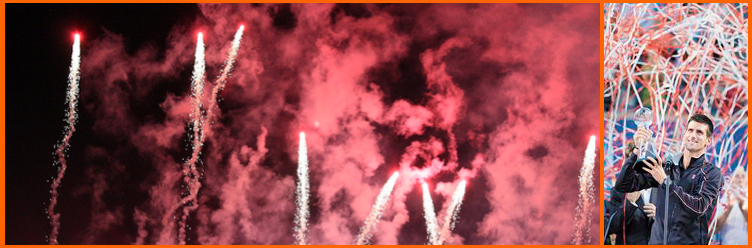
x=301, y=217
x=200, y=124
x=191, y=174
x=378, y=209
x=222, y=79
x=431, y=224
x=452, y=211
x=584, y=205
x=62, y=148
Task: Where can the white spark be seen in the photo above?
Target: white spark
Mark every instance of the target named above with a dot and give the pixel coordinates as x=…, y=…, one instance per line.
x=431, y=224
x=366, y=232
x=582, y=214
x=452, y=211
x=301, y=217
x=62, y=148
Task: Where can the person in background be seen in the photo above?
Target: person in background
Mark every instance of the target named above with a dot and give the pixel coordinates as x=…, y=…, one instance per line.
x=732, y=220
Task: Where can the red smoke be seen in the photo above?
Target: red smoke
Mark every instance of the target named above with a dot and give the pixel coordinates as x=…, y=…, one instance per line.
x=495, y=94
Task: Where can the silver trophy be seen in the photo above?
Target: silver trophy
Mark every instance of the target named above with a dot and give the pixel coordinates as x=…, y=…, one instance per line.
x=643, y=117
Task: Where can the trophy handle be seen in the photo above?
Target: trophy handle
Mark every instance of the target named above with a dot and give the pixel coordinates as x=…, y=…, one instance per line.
x=643, y=149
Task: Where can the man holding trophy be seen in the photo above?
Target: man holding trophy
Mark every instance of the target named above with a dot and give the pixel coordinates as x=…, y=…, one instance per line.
x=685, y=193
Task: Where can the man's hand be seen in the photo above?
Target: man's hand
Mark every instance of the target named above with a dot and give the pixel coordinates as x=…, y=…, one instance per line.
x=633, y=196
x=655, y=168
x=641, y=136
x=649, y=210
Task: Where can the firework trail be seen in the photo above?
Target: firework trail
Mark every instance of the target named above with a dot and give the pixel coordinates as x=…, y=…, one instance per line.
x=220, y=83
x=191, y=174
x=62, y=148
x=431, y=223
x=366, y=232
x=301, y=217
x=582, y=215
x=202, y=123
x=452, y=211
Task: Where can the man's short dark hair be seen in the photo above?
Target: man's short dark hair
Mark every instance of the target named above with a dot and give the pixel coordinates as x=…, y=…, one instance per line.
x=701, y=118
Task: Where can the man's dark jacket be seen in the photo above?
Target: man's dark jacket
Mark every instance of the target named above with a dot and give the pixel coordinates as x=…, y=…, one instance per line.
x=693, y=195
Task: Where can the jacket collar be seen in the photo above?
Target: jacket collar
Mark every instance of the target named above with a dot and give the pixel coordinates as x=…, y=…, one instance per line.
x=693, y=162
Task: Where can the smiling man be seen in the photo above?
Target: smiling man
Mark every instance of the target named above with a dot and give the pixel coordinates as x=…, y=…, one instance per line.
x=693, y=186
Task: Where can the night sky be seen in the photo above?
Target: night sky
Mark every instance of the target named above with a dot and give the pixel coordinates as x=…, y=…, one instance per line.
x=376, y=88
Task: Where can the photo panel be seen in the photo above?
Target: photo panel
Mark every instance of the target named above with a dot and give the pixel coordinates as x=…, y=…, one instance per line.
x=675, y=123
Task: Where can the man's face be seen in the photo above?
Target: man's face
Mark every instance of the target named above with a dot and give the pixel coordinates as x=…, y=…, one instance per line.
x=696, y=137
